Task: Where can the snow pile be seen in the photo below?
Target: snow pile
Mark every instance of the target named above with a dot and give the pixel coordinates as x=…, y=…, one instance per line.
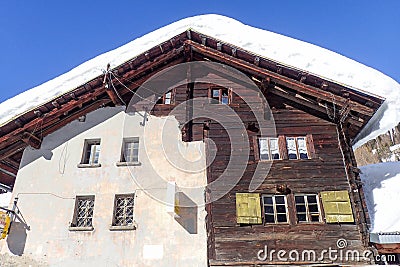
x=382, y=192
x=267, y=44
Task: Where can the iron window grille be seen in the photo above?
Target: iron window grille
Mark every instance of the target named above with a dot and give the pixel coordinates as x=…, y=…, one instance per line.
x=83, y=213
x=123, y=210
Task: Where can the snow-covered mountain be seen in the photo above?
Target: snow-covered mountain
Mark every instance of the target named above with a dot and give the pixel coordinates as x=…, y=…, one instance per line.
x=286, y=50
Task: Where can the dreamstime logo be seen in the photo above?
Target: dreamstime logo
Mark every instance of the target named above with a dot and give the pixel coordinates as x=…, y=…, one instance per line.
x=161, y=136
x=338, y=253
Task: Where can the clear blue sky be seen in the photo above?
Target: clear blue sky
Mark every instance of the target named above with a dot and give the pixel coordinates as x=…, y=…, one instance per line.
x=40, y=40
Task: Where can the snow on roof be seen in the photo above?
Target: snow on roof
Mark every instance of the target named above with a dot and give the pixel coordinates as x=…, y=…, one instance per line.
x=381, y=184
x=289, y=51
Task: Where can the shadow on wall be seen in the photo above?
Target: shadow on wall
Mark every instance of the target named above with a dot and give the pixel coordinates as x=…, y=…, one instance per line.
x=16, y=238
x=69, y=131
x=187, y=215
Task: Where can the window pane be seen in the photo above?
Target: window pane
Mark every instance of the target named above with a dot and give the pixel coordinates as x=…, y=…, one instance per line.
x=299, y=199
x=274, y=148
x=279, y=199
x=291, y=146
x=301, y=217
x=300, y=208
x=215, y=93
x=315, y=218
x=264, y=152
x=301, y=142
x=281, y=209
x=268, y=209
x=313, y=207
x=267, y=200
x=281, y=218
x=224, y=98
x=312, y=199
x=269, y=219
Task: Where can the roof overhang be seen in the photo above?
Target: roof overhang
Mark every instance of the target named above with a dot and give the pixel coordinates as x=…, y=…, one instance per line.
x=324, y=98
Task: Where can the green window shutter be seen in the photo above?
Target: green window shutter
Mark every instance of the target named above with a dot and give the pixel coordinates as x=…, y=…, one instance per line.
x=248, y=208
x=337, y=206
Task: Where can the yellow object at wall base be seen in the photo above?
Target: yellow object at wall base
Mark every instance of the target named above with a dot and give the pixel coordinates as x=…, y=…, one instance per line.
x=5, y=222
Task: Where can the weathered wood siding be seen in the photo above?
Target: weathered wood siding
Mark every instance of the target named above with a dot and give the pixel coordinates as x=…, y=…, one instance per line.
x=230, y=243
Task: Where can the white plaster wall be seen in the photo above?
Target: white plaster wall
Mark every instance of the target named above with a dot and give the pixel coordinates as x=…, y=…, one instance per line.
x=49, y=180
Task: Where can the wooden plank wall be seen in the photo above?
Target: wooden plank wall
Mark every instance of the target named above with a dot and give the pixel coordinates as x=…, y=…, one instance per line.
x=229, y=243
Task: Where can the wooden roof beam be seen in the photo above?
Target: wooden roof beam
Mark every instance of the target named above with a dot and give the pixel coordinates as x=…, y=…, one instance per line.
x=113, y=96
x=31, y=140
x=7, y=170
x=11, y=150
x=277, y=78
x=309, y=104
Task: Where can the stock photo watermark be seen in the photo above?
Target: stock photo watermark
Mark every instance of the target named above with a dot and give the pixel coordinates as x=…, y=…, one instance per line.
x=338, y=253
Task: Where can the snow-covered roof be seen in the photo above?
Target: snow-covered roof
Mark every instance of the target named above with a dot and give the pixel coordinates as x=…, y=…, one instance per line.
x=381, y=184
x=289, y=51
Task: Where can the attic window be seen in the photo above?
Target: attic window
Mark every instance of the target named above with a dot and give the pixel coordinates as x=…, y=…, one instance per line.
x=91, y=153
x=297, y=147
x=220, y=96
x=166, y=98
x=269, y=149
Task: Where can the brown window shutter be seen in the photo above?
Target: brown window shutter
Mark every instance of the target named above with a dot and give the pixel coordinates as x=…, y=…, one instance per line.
x=256, y=149
x=282, y=147
x=310, y=146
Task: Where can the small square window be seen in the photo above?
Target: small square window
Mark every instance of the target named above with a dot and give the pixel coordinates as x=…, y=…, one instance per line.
x=166, y=98
x=268, y=148
x=297, y=147
x=91, y=152
x=130, y=150
x=123, y=210
x=220, y=96
x=307, y=208
x=275, y=209
x=83, y=213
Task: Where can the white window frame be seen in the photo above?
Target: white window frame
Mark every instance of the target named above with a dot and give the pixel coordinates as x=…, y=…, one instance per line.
x=162, y=100
x=297, y=146
x=268, y=140
x=220, y=97
x=275, y=210
x=124, y=157
x=90, y=149
x=307, y=212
